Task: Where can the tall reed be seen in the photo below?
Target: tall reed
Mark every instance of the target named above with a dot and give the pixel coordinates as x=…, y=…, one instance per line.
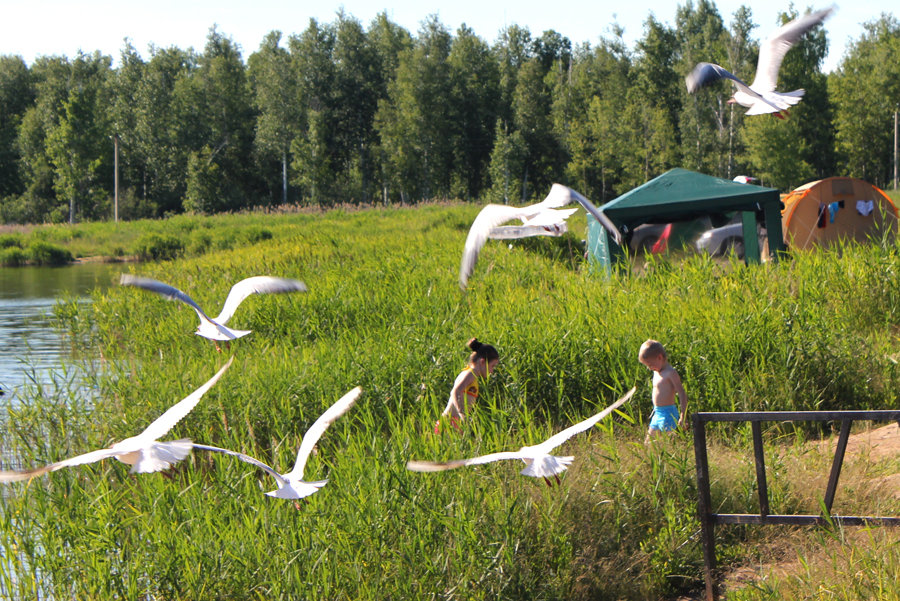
x=384, y=311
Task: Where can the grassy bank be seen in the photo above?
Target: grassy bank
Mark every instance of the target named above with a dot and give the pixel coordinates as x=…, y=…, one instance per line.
x=384, y=311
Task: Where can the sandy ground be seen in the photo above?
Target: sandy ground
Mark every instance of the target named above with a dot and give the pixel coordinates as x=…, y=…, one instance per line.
x=874, y=444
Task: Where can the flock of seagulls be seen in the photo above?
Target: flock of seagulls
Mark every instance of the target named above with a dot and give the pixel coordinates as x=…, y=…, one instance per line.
x=760, y=97
x=146, y=453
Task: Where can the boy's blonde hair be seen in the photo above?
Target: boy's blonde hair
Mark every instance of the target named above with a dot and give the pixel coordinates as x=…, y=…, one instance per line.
x=652, y=348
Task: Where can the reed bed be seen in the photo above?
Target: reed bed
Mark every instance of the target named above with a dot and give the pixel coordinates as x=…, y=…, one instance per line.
x=384, y=311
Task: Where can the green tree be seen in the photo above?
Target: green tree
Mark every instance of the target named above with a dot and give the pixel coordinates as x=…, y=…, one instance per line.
x=507, y=159
x=475, y=82
x=312, y=54
x=413, y=121
x=276, y=97
x=220, y=90
x=16, y=95
x=702, y=124
x=865, y=89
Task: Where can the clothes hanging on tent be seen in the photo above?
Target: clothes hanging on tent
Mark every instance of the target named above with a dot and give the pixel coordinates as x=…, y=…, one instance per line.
x=865, y=207
x=832, y=210
x=822, y=221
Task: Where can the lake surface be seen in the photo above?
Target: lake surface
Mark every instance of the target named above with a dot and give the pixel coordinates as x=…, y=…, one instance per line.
x=32, y=349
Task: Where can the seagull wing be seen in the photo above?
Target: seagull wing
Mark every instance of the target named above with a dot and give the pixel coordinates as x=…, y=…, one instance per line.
x=772, y=51
x=549, y=217
x=707, y=73
x=169, y=292
x=245, y=458
x=490, y=217
x=560, y=437
x=260, y=284
x=176, y=412
x=439, y=466
x=91, y=457
x=315, y=431
x=599, y=216
x=559, y=196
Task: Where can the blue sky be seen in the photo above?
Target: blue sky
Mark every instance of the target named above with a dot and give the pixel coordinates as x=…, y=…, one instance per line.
x=31, y=28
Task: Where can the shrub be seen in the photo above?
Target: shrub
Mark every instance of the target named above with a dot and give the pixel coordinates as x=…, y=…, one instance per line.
x=159, y=247
x=45, y=253
x=12, y=256
x=256, y=234
x=10, y=241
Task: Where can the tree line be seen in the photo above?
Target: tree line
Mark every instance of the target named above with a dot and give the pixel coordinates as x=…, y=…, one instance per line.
x=341, y=113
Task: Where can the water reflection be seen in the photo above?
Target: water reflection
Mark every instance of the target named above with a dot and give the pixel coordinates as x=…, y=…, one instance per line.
x=32, y=350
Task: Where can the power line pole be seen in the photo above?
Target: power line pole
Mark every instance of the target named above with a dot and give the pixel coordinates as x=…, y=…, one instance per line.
x=116, y=178
x=895, y=148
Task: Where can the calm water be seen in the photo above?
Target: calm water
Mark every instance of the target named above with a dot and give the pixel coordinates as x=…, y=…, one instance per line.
x=31, y=348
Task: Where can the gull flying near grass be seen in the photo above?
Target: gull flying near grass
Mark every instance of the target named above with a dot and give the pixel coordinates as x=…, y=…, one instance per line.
x=542, y=219
x=544, y=215
x=760, y=97
x=144, y=452
x=215, y=328
x=539, y=463
x=291, y=485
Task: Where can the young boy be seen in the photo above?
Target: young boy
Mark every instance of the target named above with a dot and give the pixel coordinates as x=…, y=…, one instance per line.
x=666, y=384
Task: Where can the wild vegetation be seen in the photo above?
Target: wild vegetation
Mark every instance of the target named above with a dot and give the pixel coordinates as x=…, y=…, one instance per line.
x=384, y=311
x=346, y=112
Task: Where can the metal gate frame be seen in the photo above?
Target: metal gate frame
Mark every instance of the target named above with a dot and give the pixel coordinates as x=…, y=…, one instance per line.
x=708, y=519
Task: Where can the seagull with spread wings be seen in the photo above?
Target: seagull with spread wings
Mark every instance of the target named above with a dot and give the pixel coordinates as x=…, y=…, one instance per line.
x=542, y=219
x=291, y=485
x=214, y=328
x=760, y=97
x=539, y=463
x=144, y=452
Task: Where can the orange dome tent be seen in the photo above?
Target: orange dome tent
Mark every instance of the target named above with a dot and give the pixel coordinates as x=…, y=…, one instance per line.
x=838, y=208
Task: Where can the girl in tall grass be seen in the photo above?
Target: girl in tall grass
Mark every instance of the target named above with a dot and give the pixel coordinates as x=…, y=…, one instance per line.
x=482, y=362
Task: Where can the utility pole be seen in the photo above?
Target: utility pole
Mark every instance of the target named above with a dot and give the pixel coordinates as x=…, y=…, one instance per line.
x=116, y=178
x=895, y=147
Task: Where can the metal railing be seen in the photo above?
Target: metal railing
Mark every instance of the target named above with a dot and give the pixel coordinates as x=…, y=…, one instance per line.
x=708, y=519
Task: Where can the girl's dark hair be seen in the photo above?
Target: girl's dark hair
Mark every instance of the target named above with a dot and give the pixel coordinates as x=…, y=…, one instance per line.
x=482, y=351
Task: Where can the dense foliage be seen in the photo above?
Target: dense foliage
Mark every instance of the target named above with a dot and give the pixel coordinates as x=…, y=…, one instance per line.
x=341, y=113
x=384, y=311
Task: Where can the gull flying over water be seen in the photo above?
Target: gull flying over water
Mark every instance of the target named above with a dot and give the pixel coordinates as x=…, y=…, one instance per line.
x=542, y=219
x=215, y=328
x=291, y=484
x=760, y=97
x=144, y=452
x=539, y=463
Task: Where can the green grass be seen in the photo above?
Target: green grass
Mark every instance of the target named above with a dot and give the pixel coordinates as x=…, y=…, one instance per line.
x=384, y=311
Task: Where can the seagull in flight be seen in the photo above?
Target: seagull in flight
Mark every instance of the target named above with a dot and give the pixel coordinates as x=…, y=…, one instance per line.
x=544, y=215
x=291, y=485
x=144, y=452
x=542, y=219
x=539, y=463
x=215, y=328
x=760, y=97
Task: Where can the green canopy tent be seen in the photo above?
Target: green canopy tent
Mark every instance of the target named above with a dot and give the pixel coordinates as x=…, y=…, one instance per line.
x=681, y=195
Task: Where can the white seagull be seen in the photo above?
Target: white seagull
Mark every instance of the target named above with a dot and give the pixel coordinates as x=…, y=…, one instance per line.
x=543, y=215
x=215, y=328
x=291, y=485
x=144, y=452
x=760, y=97
x=539, y=463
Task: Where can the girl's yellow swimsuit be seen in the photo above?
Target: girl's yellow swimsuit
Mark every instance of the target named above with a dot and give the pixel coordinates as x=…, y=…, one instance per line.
x=471, y=389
